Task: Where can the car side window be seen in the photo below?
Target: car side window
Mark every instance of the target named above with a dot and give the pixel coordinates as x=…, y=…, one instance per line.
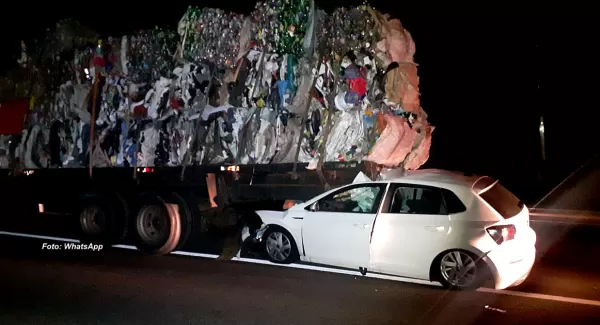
x=409, y=199
x=453, y=203
x=356, y=199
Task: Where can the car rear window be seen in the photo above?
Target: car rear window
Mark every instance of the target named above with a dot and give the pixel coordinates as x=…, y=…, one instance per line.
x=502, y=200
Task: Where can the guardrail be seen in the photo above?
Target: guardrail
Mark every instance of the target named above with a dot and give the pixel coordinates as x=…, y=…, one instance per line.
x=572, y=217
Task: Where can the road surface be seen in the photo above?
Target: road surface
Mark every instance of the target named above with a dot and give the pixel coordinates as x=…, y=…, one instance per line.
x=118, y=286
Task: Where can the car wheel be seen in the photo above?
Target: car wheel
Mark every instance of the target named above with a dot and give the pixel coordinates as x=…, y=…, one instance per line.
x=460, y=270
x=279, y=246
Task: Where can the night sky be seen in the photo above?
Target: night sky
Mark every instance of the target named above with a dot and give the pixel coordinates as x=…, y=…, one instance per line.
x=480, y=67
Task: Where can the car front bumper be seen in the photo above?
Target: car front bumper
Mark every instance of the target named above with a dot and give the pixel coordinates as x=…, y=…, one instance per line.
x=255, y=235
x=253, y=238
x=245, y=233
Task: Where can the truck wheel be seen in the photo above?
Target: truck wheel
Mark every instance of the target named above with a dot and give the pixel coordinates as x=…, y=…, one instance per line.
x=158, y=226
x=102, y=220
x=187, y=215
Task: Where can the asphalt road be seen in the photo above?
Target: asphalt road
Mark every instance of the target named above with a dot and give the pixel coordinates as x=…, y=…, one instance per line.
x=117, y=286
x=124, y=287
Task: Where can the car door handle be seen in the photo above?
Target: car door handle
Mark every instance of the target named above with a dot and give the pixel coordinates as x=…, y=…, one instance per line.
x=360, y=225
x=435, y=228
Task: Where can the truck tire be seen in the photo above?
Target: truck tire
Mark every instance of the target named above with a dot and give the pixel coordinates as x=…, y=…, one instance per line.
x=188, y=213
x=102, y=219
x=160, y=225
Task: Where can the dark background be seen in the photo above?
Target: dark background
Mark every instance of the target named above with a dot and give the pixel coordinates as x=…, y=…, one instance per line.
x=487, y=73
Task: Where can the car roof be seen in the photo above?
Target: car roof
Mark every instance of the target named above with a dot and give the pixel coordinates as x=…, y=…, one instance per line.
x=441, y=178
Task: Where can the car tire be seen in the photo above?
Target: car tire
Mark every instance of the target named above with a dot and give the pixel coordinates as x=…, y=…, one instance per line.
x=470, y=274
x=279, y=246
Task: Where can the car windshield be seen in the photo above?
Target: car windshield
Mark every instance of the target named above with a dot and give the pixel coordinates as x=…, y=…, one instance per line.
x=359, y=199
x=364, y=197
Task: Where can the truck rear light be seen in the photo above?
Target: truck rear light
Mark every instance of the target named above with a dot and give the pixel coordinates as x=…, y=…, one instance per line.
x=28, y=172
x=232, y=169
x=502, y=233
x=145, y=170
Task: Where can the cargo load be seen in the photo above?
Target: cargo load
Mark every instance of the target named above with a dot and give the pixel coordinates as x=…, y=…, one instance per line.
x=287, y=83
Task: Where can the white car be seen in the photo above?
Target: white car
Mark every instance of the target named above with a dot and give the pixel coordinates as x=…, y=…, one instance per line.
x=431, y=224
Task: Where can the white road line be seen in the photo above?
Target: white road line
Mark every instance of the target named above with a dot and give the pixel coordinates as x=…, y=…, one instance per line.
x=332, y=270
x=566, y=223
x=17, y=234
x=542, y=296
x=563, y=215
x=191, y=254
x=297, y=266
x=572, y=220
x=567, y=211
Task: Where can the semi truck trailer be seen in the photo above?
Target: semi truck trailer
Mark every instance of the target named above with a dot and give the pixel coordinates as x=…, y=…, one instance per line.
x=156, y=139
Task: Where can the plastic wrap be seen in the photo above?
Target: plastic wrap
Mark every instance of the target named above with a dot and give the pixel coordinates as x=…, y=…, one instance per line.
x=394, y=144
x=149, y=141
x=420, y=154
x=402, y=86
x=345, y=140
x=398, y=41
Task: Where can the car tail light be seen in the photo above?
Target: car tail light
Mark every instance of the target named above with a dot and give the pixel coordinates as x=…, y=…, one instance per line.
x=502, y=233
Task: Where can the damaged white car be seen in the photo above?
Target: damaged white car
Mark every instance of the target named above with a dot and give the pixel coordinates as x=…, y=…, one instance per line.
x=436, y=225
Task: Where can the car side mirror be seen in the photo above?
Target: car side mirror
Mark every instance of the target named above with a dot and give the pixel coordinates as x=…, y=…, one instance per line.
x=314, y=207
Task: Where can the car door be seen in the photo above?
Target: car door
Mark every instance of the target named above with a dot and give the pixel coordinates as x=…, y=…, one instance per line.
x=337, y=228
x=410, y=230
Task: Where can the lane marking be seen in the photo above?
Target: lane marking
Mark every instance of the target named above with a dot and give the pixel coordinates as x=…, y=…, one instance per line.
x=571, y=220
x=567, y=223
x=580, y=301
x=17, y=234
x=563, y=215
x=338, y=271
x=552, y=210
x=248, y=260
x=298, y=266
x=182, y=253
